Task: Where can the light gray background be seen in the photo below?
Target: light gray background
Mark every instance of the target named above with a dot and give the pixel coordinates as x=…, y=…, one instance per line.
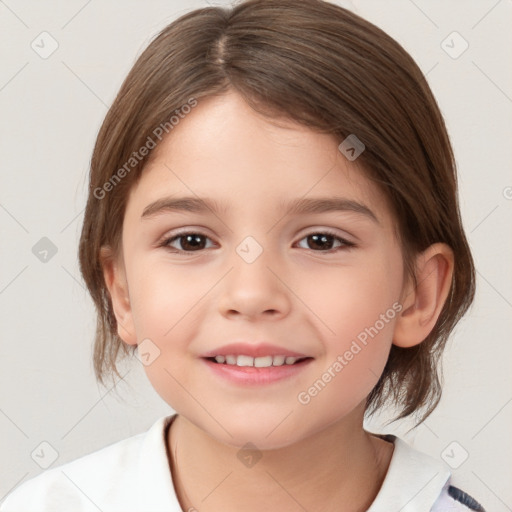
x=51, y=110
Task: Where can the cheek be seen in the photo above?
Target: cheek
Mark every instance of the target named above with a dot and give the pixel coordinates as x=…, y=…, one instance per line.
x=357, y=308
x=165, y=307
x=354, y=356
x=347, y=300
x=363, y=312
x=163, y=299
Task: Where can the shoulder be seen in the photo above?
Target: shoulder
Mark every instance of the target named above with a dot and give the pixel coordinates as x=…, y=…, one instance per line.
x=76, y=484
x=453, y=499
x=417, y=481
x=88, y=483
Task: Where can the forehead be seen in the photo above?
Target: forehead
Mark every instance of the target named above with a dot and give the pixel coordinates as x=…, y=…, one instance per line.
x=225, y=150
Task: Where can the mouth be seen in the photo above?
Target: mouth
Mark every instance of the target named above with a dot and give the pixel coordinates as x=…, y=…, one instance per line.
x=257, y=362
x=242, y=370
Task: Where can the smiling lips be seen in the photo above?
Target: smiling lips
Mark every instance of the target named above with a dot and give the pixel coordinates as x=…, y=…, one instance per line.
x=258, y=362
x=243, y=370
x=262, y=355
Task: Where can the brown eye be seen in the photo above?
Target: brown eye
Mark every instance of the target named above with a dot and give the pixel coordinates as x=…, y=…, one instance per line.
x=324, y=242
x=187, y=242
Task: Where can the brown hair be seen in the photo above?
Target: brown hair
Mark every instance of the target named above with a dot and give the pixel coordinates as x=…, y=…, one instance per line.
x=325, y=67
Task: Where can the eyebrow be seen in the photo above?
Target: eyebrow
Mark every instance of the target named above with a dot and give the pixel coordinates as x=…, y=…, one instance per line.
x=294, y=207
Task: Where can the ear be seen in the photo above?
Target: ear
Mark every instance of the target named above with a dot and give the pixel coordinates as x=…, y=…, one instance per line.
x=422, y=304
x=115, y=279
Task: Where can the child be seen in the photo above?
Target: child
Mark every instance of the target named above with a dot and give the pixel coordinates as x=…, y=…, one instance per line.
x=272, y=226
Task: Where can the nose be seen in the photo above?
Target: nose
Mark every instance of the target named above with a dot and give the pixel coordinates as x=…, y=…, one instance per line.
x=255, y=290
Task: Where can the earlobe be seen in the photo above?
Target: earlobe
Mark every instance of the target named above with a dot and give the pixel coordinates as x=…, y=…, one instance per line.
x=423, y=303
x=117, y=285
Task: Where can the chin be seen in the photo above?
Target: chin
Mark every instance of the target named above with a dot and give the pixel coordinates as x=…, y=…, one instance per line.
x=265, y=431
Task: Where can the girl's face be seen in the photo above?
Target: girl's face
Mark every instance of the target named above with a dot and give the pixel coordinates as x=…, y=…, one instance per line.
x=247, y=268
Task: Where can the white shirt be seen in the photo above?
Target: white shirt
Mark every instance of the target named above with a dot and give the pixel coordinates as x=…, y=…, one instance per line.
x=133, y=475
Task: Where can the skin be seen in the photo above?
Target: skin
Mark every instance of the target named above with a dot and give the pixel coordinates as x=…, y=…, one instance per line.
x=296, y=294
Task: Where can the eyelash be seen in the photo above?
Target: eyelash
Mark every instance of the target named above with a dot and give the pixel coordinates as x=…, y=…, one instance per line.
x=345, y=243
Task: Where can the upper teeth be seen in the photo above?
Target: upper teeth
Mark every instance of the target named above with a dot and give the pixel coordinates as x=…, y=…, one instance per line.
x=258, y=362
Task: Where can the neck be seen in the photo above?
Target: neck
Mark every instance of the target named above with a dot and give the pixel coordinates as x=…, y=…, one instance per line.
x=339, y=465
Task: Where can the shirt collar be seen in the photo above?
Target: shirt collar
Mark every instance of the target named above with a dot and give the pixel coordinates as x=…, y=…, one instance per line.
x=413, y=481
x=156, y=489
